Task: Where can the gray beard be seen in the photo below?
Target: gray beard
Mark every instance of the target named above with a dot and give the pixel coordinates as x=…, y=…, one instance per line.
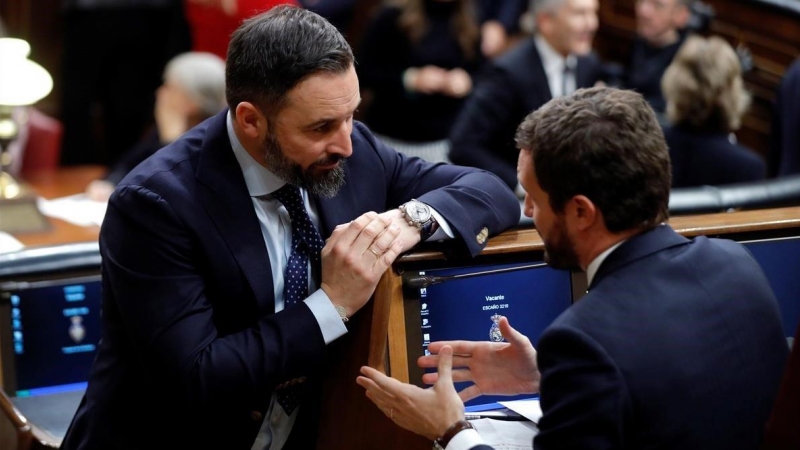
x=326, y=184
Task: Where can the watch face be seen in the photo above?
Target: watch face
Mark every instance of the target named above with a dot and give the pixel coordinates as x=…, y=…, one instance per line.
x=418, y=212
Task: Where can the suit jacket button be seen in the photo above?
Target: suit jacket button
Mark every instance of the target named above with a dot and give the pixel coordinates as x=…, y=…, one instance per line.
x=256, y=416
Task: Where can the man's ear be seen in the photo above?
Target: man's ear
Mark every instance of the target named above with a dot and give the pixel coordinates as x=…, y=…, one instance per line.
x=544, y=23
x=582, y=211
x=251, y=121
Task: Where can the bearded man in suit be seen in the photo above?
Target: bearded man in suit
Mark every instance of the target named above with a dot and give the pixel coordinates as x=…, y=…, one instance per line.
x=220, y=296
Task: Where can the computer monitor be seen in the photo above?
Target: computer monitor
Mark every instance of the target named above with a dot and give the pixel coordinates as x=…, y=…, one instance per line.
x=465, y=302
x=49, y=322
x=780, y=260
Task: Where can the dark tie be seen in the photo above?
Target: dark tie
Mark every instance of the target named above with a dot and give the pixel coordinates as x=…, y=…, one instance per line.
x=306, y=243
x=564, y=77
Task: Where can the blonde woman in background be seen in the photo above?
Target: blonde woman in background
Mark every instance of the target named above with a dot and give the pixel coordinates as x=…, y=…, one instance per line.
x=706, y=100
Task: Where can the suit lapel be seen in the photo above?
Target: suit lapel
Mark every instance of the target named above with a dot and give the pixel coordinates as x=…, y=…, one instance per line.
x=541, y=84
x=637, y=247
x=585, y=72
x=224, y=195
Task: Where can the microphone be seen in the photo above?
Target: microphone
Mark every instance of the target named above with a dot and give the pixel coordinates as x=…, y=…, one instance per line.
x=423, y=281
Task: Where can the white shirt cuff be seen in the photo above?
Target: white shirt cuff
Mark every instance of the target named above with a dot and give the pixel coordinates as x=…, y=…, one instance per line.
x=465, y=440
x=329, y=321
x=444, y=231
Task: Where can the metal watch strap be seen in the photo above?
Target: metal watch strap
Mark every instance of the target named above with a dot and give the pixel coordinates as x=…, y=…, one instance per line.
x=451, y=432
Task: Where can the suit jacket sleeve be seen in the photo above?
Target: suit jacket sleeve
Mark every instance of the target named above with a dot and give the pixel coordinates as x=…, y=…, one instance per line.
x=482, y=125
x=471, y=200
x=159, y=280
x=583, y=395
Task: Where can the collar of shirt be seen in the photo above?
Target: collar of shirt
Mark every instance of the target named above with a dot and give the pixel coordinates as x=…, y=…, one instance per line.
x=554, y=64
x=591, y=270
x=260, y=181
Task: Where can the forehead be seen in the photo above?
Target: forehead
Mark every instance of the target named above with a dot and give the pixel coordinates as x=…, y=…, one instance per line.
x=324, y=95
x=581, y=4
x=660, y=3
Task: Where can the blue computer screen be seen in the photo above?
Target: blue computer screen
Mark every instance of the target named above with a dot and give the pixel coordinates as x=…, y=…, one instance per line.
x=466, y=308
x=780, y=260
x=55, y=329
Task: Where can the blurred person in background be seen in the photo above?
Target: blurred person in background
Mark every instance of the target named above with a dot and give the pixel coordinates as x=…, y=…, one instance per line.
x=417, y=61
x=660, y=32
x=706, y=100
x=193, y=90
x=500, y=24
x=114, y=54
x=784, y=156
x=556, y=61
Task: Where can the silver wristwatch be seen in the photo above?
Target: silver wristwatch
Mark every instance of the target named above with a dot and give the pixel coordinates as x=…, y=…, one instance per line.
x=419, y=215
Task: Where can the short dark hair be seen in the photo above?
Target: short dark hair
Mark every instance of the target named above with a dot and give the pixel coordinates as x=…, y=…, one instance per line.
x=270, y=53
x=606, y=144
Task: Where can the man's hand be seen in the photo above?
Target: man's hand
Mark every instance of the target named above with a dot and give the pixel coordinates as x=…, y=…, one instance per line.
x=428, y=412
x=409, y=234
x=355, y=257
x=426, y=80
x=494, y=39
x=506, y=368
x=459, y=83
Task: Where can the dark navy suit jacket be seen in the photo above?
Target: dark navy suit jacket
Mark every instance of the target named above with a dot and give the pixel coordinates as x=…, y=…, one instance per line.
x=677, y=345
x=700, y=158
x=785, y=137
x=511, y=87
x=192, y=347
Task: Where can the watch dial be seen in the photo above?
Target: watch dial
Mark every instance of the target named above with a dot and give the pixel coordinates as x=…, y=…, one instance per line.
x=418, y=212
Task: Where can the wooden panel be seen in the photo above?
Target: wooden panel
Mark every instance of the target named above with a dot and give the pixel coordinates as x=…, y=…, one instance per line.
x=771, y=33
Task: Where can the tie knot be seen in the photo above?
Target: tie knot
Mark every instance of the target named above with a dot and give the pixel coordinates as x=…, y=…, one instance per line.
x=289, y=196
x=302, y=227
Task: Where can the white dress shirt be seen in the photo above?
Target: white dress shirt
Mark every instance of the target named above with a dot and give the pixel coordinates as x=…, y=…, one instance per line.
x=554, y=67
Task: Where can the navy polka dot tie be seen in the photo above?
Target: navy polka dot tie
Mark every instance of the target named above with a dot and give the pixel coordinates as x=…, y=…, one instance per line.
x=306, y=243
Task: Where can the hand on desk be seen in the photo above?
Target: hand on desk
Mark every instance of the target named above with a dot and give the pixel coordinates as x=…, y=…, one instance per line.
x=428, y=412
x=100, y=190
x=495, y=368
x=355, y=257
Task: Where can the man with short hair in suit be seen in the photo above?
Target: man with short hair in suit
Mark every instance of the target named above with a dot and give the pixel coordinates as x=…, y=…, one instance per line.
x=556, y=61
x=660, y=32
x=220, y=296
x=677, y=344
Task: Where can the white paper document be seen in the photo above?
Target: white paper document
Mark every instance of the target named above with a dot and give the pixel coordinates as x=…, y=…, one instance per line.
x=9, y=244
x=77, y=209
x=530, y=409
x=506, y=435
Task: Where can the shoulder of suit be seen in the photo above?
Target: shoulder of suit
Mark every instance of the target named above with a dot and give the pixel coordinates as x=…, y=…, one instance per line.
x=521, y=55
x=591, y=59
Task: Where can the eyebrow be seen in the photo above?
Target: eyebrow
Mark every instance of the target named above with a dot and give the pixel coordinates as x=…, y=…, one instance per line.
x=327, y=120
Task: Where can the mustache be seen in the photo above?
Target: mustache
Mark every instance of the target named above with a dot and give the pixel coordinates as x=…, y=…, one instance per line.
x=332, y=159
